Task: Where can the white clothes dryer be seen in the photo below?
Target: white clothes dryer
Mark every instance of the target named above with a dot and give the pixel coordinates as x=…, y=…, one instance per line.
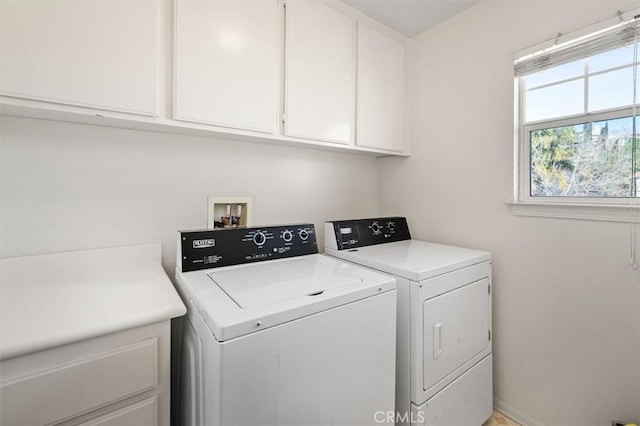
x=444, y=353
x=277, y=334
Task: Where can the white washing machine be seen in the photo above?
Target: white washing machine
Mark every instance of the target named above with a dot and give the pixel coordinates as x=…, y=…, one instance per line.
x=277, y=334
x=444, y=360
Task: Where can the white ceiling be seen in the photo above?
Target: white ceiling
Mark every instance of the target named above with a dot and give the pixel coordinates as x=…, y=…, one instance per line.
x=410, y=17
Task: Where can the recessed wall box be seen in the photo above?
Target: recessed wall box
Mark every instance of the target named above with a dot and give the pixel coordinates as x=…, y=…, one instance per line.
x=229, y=212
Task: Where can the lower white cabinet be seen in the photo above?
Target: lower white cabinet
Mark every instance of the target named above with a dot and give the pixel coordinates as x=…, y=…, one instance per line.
x=118, y=379
x=142, y=413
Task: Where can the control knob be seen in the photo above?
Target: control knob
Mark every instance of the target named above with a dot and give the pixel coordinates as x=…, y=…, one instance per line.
x=259, y=238
x=391, y=226
x=375, y=228
x=287, y=236
x=303, y=234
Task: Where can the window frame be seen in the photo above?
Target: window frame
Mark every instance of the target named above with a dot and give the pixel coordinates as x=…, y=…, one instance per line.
x=619, y=209
x=525, y=158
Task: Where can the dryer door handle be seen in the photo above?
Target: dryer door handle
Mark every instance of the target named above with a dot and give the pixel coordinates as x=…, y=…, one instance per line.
x=437, y=339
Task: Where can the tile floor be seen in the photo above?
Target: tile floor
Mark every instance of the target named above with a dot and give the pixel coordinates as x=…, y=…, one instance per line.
x=498, y=419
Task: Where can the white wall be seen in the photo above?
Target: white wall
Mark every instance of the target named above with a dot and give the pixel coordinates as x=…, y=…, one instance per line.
x=71, y=186
x=566, y=302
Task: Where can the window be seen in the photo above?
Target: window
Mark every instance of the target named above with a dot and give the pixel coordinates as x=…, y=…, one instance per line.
x=578, y=124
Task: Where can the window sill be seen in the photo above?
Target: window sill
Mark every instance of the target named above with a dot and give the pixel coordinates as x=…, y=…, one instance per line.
x=601, y=212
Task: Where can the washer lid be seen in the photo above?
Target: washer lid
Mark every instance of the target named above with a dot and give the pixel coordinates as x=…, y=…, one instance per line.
x=412, y=259
x=239, y=300
x=263, y=284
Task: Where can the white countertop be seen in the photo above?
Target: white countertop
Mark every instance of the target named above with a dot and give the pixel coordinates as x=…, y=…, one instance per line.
x=55, y=299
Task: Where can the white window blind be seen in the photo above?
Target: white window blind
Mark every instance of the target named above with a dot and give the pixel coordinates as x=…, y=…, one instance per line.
x=621, y=34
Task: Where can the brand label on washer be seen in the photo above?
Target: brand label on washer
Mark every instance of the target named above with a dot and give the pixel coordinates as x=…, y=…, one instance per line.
x=210, y=242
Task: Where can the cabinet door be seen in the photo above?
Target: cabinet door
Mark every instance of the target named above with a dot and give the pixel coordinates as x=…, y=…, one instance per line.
x=227, y=57
x=75, y=386
x=143, y=413
x=381, y=83
x=320, y=73
x=92, y=53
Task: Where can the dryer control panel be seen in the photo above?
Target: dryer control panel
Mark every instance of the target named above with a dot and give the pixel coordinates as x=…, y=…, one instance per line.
x=367, y=232
x=214, y=248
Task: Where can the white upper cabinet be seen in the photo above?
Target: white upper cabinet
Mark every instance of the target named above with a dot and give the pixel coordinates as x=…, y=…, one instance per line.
x=314, y=72
x=319, y=73
x=381, y=90
x=227, y=63
x=91, y=53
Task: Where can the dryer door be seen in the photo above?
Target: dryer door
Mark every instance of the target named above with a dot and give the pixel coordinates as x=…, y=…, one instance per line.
x=454, y=321
x=456, y=328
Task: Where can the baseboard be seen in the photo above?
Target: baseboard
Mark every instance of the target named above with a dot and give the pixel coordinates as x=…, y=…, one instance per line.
x=515, y=414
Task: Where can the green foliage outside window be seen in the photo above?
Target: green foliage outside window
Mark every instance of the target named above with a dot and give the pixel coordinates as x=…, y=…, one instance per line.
x=585, y=160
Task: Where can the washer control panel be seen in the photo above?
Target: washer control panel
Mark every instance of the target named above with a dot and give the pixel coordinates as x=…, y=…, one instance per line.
x=351, y=234
x=214, y=248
